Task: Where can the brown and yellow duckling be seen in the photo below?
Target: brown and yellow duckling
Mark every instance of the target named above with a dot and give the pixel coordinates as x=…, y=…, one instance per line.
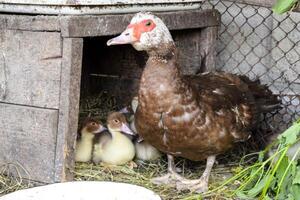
x=84, y=144
x=114, y=148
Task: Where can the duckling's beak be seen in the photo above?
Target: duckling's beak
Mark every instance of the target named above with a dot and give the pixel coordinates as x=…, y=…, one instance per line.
x=125, y=38
x=125, y=129
x=101, y=129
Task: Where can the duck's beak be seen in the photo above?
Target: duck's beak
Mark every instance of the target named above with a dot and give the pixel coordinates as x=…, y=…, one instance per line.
x=125, y=38
x=125, y=129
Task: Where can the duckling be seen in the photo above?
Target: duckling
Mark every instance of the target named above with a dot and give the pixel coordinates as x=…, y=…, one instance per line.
x=84, y=144
x=116, y=148
x=143, y=150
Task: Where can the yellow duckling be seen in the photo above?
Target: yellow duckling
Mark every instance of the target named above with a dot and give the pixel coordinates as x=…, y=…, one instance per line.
x=114, y=148
x=84, y=144
x=143, y=150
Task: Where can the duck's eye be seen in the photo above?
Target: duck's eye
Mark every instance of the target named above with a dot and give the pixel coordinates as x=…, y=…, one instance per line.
x=116, y=121
x=148, y=23
x=93, y=123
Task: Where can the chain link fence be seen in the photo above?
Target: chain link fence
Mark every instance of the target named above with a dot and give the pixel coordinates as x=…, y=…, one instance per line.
x=255, y=42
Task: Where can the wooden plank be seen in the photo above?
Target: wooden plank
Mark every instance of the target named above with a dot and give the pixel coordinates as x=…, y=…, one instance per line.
x=94, y=9
x=94, y=2
x=88, y=26
x=2, y=23
x=68, y=108
x=32, y=63
x=208, y=42
x=189, y=45
x=3, y=71
x=27, y=138
x=30, y=23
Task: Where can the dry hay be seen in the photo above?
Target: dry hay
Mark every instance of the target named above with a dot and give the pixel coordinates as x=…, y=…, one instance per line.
x=10, y=183
x=144, y=172
x=97, y=106
x=140, y=175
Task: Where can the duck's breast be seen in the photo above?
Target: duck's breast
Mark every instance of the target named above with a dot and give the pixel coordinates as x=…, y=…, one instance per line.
x=83, y=151
x=120, y=151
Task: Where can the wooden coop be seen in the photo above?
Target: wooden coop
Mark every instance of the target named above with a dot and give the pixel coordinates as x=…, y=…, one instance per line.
x=47, y=62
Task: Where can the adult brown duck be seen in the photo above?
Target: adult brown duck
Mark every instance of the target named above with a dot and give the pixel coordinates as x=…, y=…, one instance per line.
x=195, y=117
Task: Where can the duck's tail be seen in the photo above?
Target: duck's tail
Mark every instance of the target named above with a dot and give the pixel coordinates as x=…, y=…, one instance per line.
x=265, y=100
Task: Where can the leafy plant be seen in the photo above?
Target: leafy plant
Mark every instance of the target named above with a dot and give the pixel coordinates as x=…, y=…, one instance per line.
x=277, y=177
x=282, y=6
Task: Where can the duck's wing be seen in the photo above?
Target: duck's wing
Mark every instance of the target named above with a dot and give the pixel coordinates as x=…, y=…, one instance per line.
x=219, y=90
x=101, y=140
x=223, y=91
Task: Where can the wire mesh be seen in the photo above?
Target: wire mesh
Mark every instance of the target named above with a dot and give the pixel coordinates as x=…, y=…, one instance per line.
x=255, y=42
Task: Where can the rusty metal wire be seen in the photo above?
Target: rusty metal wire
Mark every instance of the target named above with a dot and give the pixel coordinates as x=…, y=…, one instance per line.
x=255, y=42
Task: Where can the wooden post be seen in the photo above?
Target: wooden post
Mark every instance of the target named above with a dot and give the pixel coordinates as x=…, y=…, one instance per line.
x=69, y=108
x=208, y=41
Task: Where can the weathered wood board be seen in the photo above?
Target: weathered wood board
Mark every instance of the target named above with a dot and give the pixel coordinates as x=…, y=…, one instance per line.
x=89, y=26
x=29, y=23
x=28, y=137
x=94, y=2
x=68, y=108
x=189, y=48
x=31, y=62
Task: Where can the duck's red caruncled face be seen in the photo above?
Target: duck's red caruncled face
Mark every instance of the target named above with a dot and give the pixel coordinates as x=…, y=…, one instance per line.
x=133, y=32
x=141, y=27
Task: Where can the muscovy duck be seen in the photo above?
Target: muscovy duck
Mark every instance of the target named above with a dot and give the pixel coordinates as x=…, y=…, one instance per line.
x=195, y=117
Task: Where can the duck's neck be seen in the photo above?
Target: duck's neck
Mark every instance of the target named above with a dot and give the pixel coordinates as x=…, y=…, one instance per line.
x=162, y=64
x=161, y=79
x=85, y=135
x=165, y=52
x=116, y=135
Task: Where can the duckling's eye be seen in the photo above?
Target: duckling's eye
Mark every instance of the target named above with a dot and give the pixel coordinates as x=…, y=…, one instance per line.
x=93, y=123
x=148, y=23
x=116, y=121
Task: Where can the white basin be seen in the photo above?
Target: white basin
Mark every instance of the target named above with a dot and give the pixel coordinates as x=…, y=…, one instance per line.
x=84, y=190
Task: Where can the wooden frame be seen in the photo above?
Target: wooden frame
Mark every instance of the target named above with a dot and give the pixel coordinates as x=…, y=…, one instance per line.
x=91, y=26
